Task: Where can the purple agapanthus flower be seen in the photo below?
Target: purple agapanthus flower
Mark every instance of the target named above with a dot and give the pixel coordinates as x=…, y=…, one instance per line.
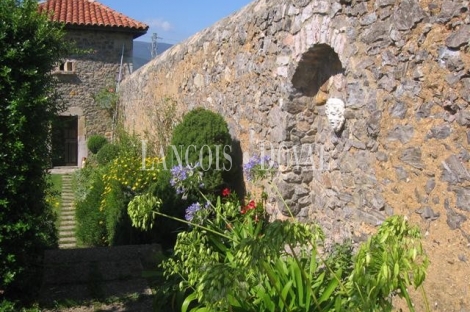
x=248, y=167
x=191, y=210
x=255, y=164
x=178, y=174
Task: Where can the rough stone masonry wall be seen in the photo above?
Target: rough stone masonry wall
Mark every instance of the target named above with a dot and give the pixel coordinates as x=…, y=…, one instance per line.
x=402, y=69
x=96, y=68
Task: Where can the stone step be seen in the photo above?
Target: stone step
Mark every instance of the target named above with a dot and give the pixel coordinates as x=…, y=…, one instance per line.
x=67, y=223
x=67, y=245
x=67, y=212
x=68, y=207
x=118, y=253
x=67, y=228
x=67, y=240
x=67, y=218
x=63, y=234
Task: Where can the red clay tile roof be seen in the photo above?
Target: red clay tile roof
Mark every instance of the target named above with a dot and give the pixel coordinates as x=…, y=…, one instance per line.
x=89, y=13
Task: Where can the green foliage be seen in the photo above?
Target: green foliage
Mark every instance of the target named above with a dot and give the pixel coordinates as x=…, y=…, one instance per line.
x=30, y=47
x=95, y=143
x=107, y=153
x=107, y=99
x=164, y=119
x=9, y=306
x=91, y=228
x=141, y=210
x=390, y=261
x=165, y=230
x=102, y=197
x=53, y=194
x=233, y=259
x=204, y=137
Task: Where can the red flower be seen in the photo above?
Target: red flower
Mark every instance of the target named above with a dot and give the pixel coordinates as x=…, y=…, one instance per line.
x=251, y=205
x=226, y=192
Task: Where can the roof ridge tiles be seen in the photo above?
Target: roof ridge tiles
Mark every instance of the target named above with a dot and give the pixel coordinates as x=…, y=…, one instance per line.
x=89, y=13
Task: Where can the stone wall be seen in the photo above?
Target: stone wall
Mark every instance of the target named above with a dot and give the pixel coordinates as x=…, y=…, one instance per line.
x=402, y=68
x=95, y=68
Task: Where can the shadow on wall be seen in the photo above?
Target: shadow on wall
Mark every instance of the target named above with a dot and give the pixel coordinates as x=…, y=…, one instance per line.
x=236, y=174
x=313, y=73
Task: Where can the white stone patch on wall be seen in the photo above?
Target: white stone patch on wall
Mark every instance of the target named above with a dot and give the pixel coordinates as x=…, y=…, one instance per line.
x=334, y=110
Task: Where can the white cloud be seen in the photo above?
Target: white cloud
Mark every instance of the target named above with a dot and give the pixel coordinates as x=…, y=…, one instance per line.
x=160, y=24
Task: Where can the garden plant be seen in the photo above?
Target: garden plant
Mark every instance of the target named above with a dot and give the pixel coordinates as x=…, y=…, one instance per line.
x=232, y=258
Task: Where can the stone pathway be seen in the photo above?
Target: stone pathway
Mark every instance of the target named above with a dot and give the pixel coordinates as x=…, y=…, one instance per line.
x=67, y=216
x=98, y=279
x=93, y=279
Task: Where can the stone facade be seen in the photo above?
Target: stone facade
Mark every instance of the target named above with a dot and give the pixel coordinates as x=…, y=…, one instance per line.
x=402, y=69
x=94, y=68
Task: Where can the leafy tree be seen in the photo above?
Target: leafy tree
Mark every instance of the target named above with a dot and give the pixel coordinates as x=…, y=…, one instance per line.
x=30, y=47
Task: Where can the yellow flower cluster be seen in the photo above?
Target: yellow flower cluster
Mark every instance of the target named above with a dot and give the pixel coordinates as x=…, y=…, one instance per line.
x=53, y=201
x=134, y=174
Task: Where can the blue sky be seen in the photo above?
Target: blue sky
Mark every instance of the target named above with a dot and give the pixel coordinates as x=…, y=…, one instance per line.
x=175, y=20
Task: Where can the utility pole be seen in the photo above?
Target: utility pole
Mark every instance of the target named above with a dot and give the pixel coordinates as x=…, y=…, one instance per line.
x=154, y=51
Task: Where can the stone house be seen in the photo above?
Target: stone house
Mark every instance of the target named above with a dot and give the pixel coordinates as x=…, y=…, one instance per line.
x=88, y=79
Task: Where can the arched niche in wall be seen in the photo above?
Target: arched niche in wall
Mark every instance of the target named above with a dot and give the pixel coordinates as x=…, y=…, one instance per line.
x=319, y=74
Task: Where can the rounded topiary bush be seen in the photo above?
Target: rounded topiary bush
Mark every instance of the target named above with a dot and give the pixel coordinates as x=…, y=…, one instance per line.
x=203, y=137
x=96, y=142
x=107, y=153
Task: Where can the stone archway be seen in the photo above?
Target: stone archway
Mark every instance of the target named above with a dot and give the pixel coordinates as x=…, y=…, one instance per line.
x=319, y=73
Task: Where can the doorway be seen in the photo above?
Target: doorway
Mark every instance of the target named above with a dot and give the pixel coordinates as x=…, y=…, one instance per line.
x=65, y=141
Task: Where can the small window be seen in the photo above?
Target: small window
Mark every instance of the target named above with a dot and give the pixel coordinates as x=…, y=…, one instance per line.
x=67, y=67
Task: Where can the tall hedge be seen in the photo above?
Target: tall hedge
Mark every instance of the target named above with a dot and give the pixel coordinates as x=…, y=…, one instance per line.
x=30, y=47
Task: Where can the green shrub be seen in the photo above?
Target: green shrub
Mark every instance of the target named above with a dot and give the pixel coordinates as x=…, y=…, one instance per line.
x=203, y=136
x=91, y=227
x=107, y=153
x=95, y=143
x=30, y=48
x=102, y=195
x=129, y=145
